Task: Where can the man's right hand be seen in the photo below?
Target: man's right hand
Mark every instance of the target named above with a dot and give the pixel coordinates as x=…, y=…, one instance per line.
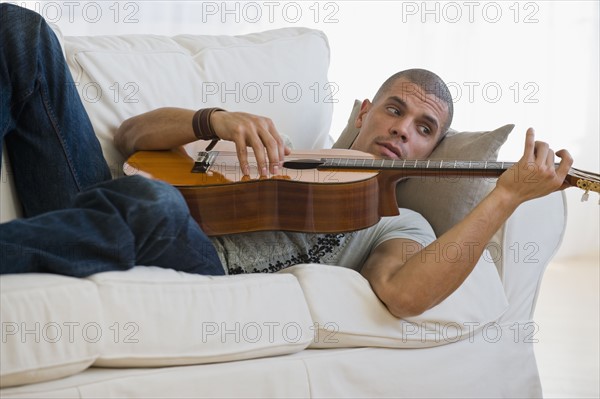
x=248, y=130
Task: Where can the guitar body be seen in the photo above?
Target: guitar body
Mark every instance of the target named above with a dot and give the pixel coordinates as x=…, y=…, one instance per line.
x=349, y=192
x=224, y=202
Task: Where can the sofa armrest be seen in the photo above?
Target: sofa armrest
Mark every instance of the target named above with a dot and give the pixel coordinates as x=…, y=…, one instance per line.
x=522, y=249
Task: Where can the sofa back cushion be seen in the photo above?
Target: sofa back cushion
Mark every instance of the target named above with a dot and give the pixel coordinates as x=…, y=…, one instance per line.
x=281, y=74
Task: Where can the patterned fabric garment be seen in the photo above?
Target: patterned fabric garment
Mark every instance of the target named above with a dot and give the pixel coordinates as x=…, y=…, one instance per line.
x=268, y=252
x=271, y=251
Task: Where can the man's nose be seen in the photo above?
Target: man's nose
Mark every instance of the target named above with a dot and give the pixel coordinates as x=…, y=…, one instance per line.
x=401, y=129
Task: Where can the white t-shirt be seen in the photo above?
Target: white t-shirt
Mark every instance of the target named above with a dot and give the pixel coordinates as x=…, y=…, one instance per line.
x=266, y=252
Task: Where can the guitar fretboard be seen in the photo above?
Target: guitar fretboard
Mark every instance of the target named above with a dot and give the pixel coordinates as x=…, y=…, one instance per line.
x=399, y=164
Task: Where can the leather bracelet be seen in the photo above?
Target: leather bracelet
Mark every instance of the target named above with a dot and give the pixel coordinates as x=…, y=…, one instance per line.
x=203, y=129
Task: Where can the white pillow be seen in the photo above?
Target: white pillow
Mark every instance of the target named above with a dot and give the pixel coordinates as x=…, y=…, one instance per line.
x=278, y=74
x=460, y=194
x=347, y=313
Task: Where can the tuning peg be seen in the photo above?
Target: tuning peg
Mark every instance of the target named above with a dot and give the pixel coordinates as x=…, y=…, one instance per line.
x=585, y=196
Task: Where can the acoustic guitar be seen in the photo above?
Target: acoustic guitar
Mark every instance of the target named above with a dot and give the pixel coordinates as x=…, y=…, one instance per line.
x=323, y=191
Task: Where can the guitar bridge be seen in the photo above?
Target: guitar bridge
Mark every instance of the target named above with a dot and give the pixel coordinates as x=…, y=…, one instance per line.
x=204, y=161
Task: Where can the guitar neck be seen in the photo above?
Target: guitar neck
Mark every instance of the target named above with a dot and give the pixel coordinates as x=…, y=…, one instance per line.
x=418, y=166
x=587, y=181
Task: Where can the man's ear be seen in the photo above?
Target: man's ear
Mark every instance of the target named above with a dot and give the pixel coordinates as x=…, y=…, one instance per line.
x=364, y=108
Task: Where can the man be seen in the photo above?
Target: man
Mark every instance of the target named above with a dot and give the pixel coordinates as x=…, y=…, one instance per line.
x=406, y=119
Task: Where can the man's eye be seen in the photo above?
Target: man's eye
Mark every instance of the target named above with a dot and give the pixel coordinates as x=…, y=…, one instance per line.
x=393, y=110
x=425, y=130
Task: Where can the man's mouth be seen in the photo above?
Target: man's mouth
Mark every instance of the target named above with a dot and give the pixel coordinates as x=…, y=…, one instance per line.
x=390, y=150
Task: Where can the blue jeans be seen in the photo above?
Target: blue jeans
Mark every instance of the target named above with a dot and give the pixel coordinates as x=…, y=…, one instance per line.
x=50, y=141
x=111, y=226
x=78, y=221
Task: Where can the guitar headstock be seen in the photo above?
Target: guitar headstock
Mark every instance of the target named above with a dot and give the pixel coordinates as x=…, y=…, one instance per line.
x=584, y=180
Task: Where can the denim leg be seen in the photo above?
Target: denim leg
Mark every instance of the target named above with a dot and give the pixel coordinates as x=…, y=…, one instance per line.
x=112, y=226
x=50, y=141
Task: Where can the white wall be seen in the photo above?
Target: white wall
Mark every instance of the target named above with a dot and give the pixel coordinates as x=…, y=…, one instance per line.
x=531, y=63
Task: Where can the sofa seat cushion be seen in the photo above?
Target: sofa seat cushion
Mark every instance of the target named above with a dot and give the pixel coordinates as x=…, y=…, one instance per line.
x=160, y=317
x=51, y=327
x=55, y=326
x=347, y=313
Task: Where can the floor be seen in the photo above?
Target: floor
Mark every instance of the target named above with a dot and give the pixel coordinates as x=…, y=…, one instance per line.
x=568, y=337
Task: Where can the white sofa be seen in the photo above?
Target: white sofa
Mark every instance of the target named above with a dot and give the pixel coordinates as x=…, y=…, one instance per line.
x=308, y=331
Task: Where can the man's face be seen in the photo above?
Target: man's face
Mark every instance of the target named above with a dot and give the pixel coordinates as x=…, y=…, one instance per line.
x=403, y=123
